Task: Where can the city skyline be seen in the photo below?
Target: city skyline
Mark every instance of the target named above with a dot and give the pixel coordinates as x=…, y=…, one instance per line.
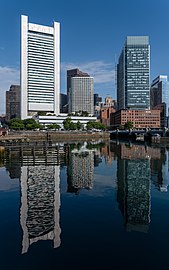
x=92, y=45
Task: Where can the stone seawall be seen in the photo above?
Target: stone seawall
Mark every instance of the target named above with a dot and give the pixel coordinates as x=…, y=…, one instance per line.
x=56, y=136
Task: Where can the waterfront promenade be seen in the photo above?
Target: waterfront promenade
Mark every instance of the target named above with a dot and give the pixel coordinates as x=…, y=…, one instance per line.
x=32, y=136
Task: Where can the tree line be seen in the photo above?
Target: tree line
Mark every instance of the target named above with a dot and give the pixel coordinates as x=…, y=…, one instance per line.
x=68, y=124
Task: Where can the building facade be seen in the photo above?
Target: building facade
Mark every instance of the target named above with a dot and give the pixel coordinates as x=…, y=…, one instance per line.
x=133, y=74
x=81, y=95
x=106, y=115
x=110, y=102
x=40, y=68
x=97, y=99
x=159, y=94
x=13, y=103
x=74, y=73
x=63, y=103
x=59, y=119
x=139, y=118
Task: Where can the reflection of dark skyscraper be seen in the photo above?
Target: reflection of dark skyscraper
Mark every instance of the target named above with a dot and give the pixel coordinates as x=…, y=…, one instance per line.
x=80, y=170
x=165, y=170
x=40, y=203
x=133, y=193
x=159, y=171
x=156, y=169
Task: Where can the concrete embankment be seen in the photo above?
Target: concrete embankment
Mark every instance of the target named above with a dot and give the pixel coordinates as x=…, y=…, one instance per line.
x=162, y=141
x=55, y=136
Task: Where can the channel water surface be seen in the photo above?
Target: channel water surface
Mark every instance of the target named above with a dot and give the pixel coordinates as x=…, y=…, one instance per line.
x=84, y=206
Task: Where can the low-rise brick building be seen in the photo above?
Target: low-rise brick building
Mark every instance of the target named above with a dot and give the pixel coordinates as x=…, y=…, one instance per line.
x=140, y=118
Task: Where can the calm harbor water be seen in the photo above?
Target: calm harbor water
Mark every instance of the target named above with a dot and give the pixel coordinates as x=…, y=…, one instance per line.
x=84, y=206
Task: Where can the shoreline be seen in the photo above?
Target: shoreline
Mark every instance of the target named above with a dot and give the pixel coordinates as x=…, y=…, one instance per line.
x=59, y=136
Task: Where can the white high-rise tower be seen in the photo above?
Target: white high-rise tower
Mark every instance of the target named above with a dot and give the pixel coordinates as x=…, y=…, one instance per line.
x=40, y=68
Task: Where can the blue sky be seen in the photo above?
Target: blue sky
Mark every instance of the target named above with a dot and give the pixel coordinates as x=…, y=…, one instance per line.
x=92, y=35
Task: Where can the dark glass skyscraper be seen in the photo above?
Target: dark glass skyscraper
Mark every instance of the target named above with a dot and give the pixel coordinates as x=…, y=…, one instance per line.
x=133, y=74
x=159, y=94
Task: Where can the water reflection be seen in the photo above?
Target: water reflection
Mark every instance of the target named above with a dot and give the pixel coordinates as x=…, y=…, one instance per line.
x=80, y=170
x=139, y=167
x=40, y=195
x=160, y=170
x=40, y=203
x=133, y=183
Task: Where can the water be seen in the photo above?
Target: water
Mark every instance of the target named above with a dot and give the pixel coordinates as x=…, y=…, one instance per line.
x=84, y=206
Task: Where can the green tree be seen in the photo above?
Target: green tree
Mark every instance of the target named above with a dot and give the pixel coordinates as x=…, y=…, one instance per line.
x=53, y=126
x=128, y=125
x=95, y=125
x=41, y=113
x=79, y=125
x=16, y=124
x=121, y=127
x=84, y=113
x=89, y=125
x=67, y=122
x=56, y=126
x=72, y=126
x=30, y=124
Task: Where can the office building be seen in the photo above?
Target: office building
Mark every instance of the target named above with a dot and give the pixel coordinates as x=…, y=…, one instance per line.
x=110, y=103
x=106, y=115
x=13, y=104
x=97, y=105
x=81, y=95
x=133, y=74
x=40, y=68
x=97, y=99
x=74, y=73
x=63, y=103
x=159, y=94
x=140, y=119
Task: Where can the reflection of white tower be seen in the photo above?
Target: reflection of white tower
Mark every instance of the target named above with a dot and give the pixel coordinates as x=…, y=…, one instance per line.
x=40, y=203
x=165, y=175
x=81, y=169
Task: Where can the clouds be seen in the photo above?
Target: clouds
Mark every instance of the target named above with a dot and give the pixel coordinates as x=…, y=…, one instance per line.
x=8, y=76
x=101, y=71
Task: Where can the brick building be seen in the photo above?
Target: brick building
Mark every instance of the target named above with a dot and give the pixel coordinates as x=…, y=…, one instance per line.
x=140, y=118
x=106, y=115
